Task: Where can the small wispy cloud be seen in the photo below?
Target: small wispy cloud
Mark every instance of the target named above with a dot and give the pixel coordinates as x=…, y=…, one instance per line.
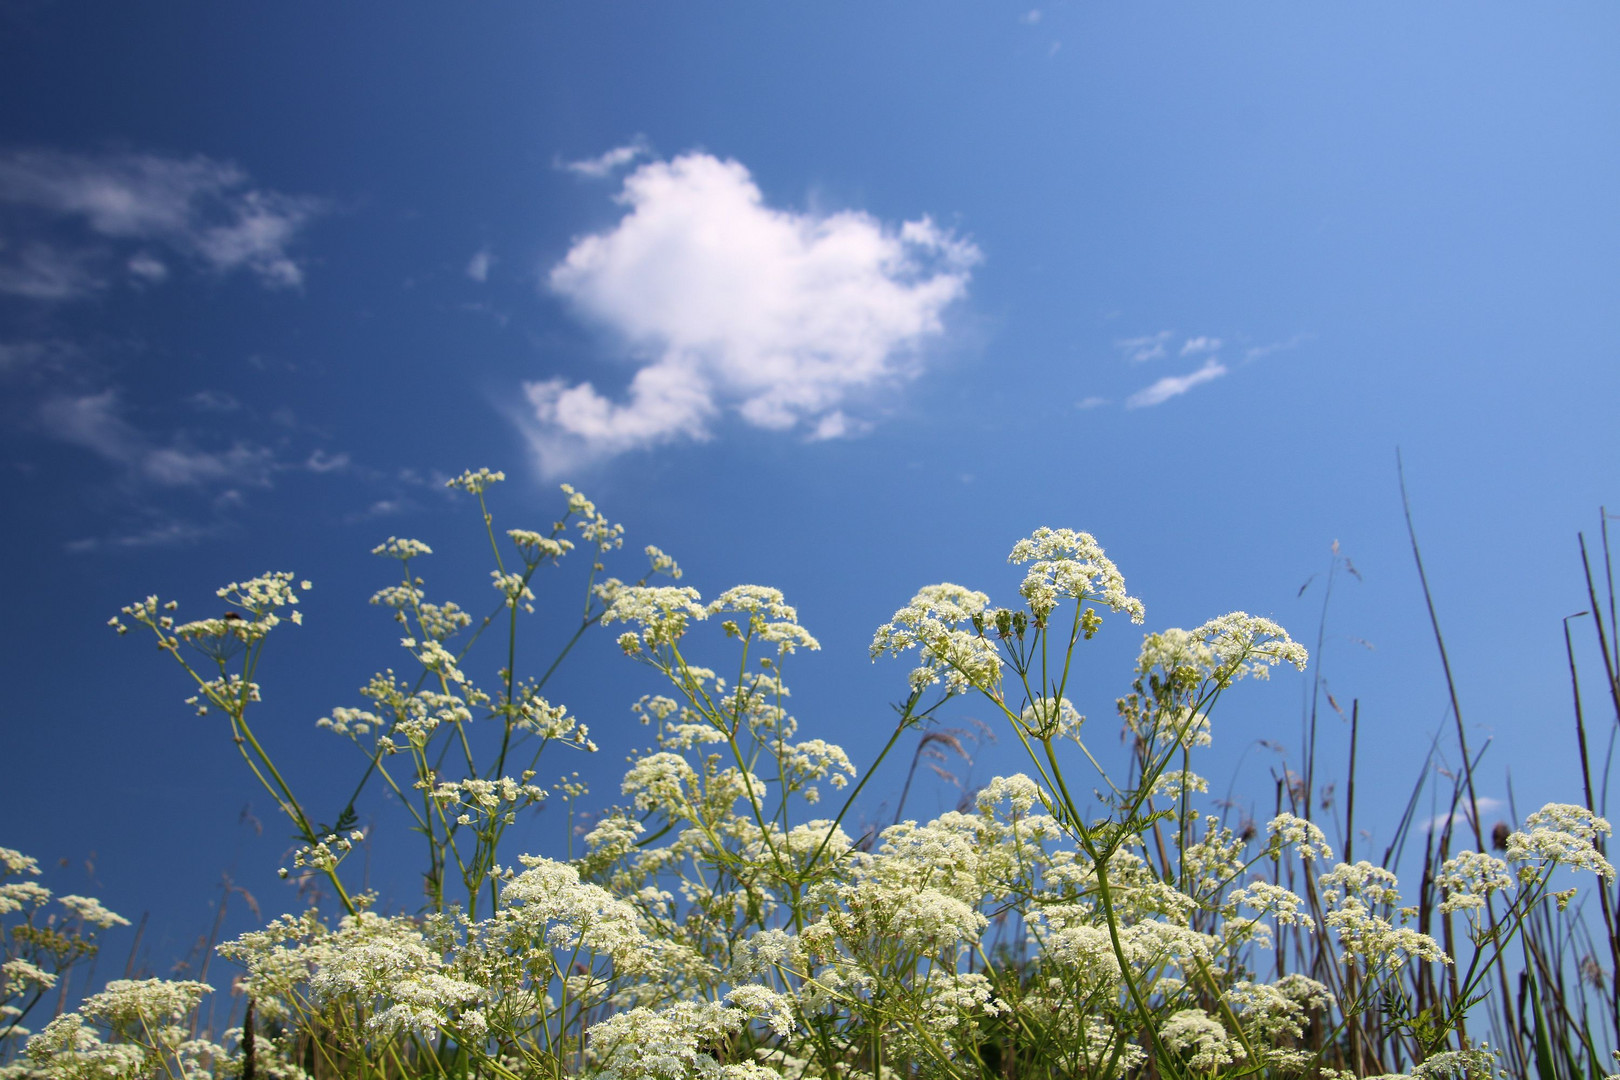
x=205, y=211
x=39, y=271
x=605, y=165
x=319, y=461
x=94, y=422
x=47, y=360
x=1148, y=347
x=1091, y=402
x=1030, y=17
x=147, y=268
x=836, y=425
x=1175, y=385
x=1200, y=344
x=1257, y=351
x=479, y=265
x=172, y=532
x=213, y=401
x=728, y=305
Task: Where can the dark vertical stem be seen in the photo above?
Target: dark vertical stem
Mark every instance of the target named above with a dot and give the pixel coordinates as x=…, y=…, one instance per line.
x=135, y=946
x=1608, y=573
x=1609, y=662
x=1350, y=784
x=1445, y=661
x=1604, y=895
x=247, y=1041
x=1316, y=686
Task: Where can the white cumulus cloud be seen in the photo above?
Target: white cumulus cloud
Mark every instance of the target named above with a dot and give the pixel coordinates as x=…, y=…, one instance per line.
x=203, y=210
x=1175, y=385
x=728, y=305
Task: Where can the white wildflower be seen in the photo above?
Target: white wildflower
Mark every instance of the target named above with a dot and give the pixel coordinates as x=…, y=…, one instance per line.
x=1307, y=839
x=1201, y=1037
x=1065, y=563
x=1469, y=878
x=663, y=612
x=475, y=482
x=1563, y=834
x=90, y=910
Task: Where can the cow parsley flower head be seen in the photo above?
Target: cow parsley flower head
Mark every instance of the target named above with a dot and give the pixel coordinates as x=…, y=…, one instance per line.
x=1065, y=563
x=770, y=618
x=515, y=587
x=90, y=910
x=1266, y=1011
x=536, y=546
x=1563, y=834
x=662, y=563
x=1477, y=1063
x=932, y=623
x=1357, y=892
x=17, y=971
x=474, y=482
x=1225, y=649
x=672, y=1043
x=1052, y=718
x=1307, y=839
x=15, y=862
x=1018, y=791
x=663, y=612
x=1269, y=899
x=395, y=548
x=1469, y=878
x=16, y=895
x=1201, y=1037
x=1176, y=783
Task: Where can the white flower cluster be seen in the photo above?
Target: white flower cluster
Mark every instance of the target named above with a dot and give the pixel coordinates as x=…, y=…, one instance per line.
x=770, y=618
x=536, y=547
x=932, y=622
x=488, y=799
x=715, y=930
x=39, y=943
x=1201, y=1038
x=1065, y=563
x=1560, y=834
x=593, y=527
x=1469, y=878
x=1305, y=837
x=326, y=853
x=1358, y=893
x=475, y=483
x=396, y=548
x=144, y=1019
x=662, y=611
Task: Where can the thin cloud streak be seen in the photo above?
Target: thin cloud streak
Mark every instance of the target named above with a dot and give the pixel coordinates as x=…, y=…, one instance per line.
x=1147, y=347
x=1175, y=385
x=92, y=421
x=604, y=165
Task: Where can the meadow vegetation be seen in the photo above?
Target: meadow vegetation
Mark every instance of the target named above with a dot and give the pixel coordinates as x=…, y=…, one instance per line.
x=727, y=921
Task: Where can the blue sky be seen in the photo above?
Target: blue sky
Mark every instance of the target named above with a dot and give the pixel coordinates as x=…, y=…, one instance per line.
x=839, y=298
